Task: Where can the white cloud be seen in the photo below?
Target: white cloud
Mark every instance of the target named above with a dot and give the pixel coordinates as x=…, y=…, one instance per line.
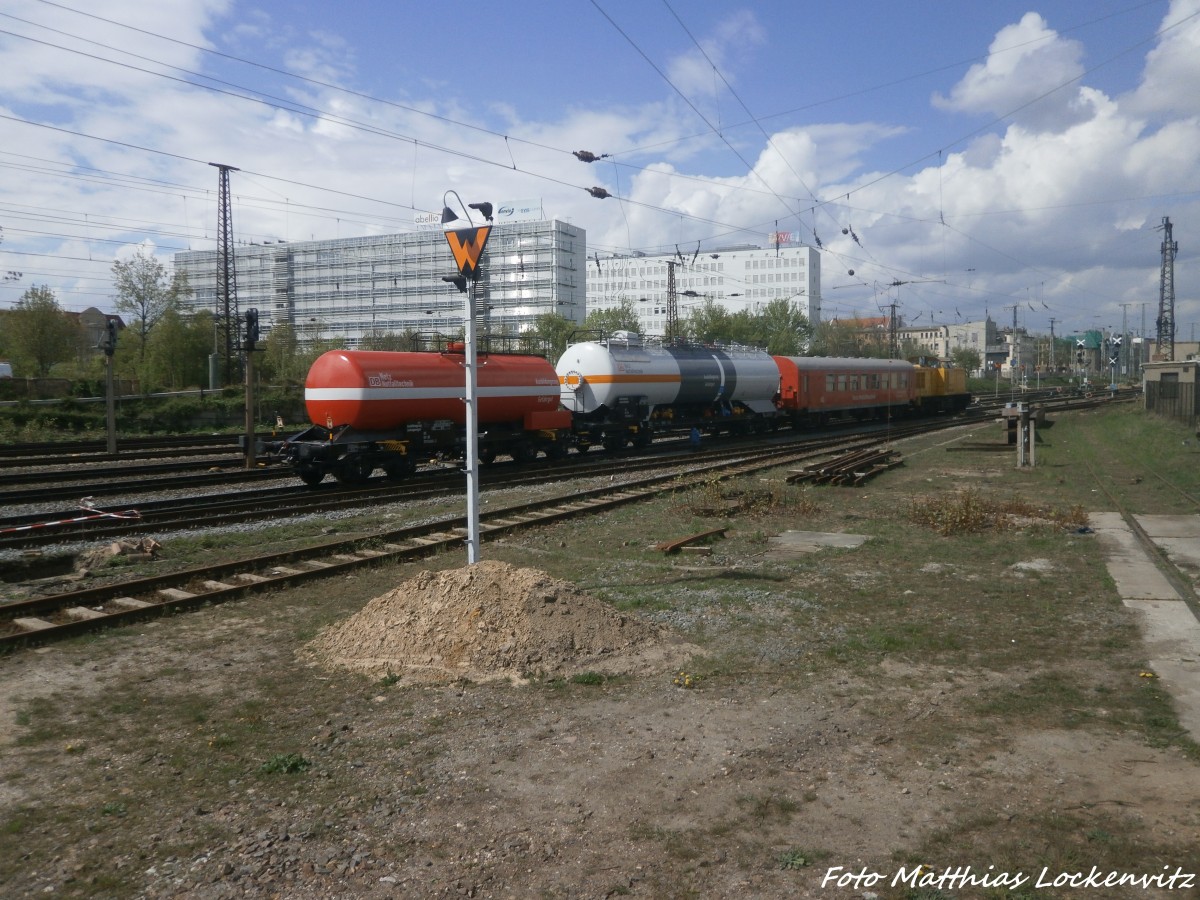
x=1029, y=75
x=1053, y=206
x=1172, y=70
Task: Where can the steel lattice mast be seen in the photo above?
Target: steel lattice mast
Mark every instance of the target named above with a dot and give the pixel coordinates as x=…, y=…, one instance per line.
x=672, y=331
x=1165, y=348
x=227, y=306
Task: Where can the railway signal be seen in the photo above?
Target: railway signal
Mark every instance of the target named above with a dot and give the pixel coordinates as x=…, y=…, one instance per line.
x=467, y=246
x=108, y=343
x=252, y=332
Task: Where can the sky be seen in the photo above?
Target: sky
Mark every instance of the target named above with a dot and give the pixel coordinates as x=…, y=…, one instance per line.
x=955, y=160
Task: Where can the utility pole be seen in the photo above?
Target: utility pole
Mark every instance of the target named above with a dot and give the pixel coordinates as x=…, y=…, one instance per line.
x=1125, y=338
x=1015, y=359
x=892, y=328
x=1053, y=362
x=226, y=313
x=1165, y=346
x=672, y=305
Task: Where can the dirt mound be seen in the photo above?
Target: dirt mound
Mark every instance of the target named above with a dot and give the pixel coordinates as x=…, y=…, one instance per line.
x=491, y=621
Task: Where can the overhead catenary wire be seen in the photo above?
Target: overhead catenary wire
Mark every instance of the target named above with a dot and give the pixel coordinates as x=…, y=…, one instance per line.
x=732, y=228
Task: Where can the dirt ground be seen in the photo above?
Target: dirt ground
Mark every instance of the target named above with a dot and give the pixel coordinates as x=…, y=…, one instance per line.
x=493, y=732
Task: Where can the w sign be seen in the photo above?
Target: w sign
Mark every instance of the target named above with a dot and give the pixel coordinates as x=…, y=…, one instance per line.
x=467, y=246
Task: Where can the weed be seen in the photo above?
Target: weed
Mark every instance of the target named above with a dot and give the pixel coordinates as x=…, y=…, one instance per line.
x=588, y=678
x=769, y=806
x=285, y=764
x=684, y=680
x=968, y=511
x=798, y=858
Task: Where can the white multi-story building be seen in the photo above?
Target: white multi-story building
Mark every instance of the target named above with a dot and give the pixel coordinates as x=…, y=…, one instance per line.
x=942, y=340
x=737, y=278
x=347, y=289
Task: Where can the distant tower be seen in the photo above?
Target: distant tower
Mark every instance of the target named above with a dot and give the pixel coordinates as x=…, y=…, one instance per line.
x=1165, y=348
x=227, y=307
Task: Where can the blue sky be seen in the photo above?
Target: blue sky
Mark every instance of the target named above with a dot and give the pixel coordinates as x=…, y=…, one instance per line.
x=997, y=157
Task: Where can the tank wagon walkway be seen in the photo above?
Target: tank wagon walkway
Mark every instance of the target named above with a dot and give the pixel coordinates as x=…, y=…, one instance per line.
x=1169, y=625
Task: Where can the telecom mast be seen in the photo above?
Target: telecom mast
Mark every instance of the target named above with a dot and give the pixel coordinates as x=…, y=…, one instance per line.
x=226, y=312
x=1165, y=348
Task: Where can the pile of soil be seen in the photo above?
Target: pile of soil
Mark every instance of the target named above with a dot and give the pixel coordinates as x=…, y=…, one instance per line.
x=492, y=621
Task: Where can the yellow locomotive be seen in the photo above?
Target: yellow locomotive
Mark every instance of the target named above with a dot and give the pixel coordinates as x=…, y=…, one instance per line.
x=941, y=388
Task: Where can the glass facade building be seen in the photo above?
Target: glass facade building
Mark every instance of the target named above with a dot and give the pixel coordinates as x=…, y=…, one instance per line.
x=347, y=289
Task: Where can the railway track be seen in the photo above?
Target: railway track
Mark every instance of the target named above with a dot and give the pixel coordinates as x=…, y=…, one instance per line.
x=125, y=447
x=25, y=532
x=51, y=617
x=133, y=479
x=61, y=459
x=30, y=530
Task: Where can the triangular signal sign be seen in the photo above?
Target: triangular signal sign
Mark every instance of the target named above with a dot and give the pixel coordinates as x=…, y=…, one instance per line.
x=467, y=246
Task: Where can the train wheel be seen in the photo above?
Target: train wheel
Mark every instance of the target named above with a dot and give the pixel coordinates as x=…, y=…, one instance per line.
x=524, y=452
x=555, y=450
x=399, y=469
x=311, y=475
x=353, y=471
x=487, y=457
x=614, y=442
x=645, y=437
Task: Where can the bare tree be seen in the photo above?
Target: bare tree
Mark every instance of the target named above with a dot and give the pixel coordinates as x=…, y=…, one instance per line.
x=145, y=292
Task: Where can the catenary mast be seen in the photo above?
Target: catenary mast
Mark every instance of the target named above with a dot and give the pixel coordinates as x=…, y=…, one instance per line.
x=1165, y=348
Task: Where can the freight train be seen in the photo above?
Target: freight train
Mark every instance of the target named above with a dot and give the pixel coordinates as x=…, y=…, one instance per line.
x=382, y=410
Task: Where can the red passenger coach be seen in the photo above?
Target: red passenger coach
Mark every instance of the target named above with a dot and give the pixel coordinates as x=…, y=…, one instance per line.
x=816, y=389
x=381, y=410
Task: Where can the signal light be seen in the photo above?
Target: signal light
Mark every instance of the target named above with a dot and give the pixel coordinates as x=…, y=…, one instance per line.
x=252, y=333
x=109, y=343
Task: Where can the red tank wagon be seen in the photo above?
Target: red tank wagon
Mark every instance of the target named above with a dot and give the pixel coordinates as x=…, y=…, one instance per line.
x=376, y=409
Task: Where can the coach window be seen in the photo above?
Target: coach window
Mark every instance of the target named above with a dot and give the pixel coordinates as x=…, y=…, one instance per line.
x=841, y=382
x=829, y=384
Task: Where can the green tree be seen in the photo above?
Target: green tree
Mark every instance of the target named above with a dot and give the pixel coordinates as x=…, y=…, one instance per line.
x=615, y=318
x=783, y=329
x=177, y=350
x=553, y=333
x=40, y=334
x=144, y=293
x=841, y=337
x=966, y=358
x=708, y=323
x=394, y=341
